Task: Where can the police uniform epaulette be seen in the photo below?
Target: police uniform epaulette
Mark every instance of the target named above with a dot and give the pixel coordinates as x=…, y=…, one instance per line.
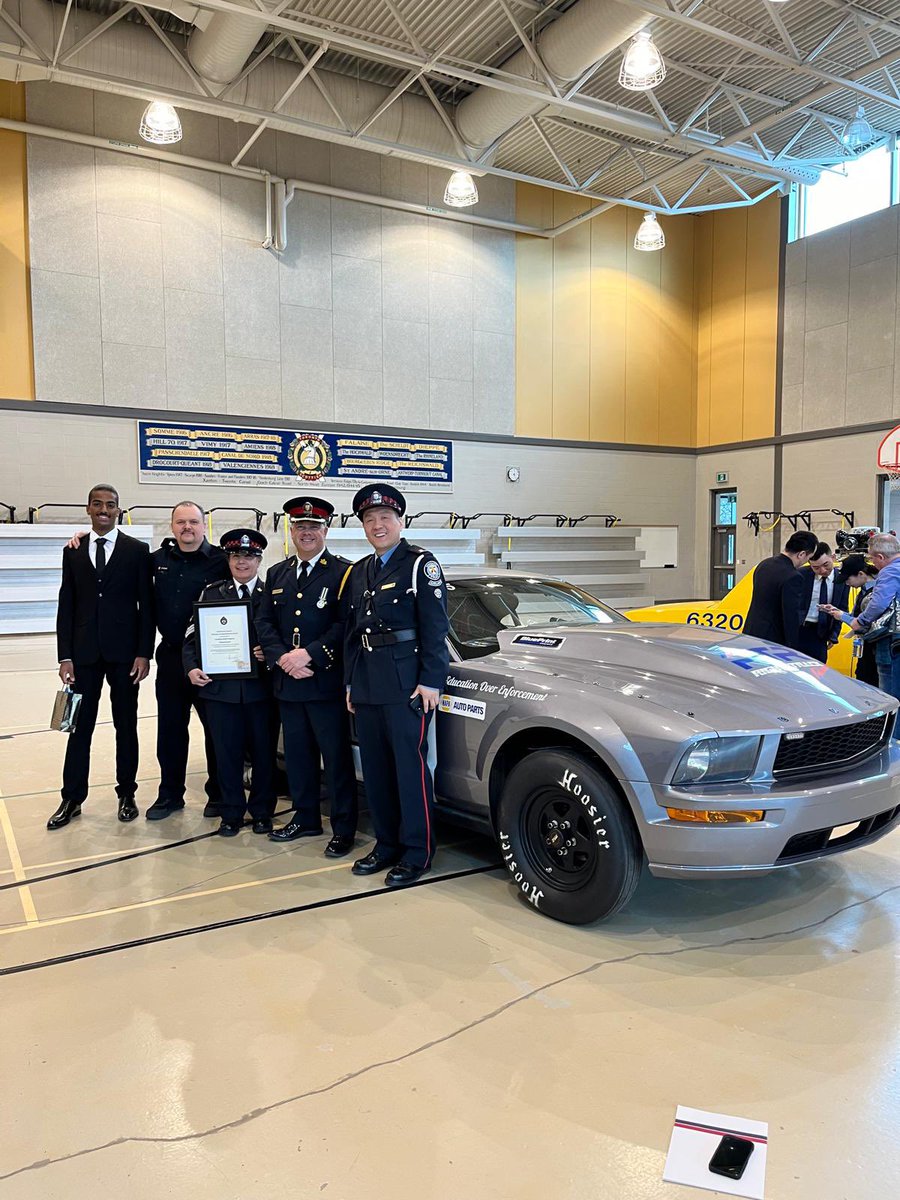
x=419, y=549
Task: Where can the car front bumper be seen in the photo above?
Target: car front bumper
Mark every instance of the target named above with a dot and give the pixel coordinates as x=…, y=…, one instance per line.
x=799, y=823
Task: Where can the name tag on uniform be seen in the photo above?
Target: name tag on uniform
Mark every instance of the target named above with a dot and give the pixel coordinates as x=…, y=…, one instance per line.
x=384, y=587
x=277, y=591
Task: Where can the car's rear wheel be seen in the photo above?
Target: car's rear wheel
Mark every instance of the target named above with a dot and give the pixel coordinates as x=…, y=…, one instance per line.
x=567, y=837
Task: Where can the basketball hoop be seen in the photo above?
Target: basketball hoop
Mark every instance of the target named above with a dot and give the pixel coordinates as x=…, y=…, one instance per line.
x=889, y=458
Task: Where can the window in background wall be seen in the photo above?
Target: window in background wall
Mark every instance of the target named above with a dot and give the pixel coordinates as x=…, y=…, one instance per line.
x=859, y=187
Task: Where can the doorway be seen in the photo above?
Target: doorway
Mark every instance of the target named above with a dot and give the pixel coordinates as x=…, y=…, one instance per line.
x=723, y=525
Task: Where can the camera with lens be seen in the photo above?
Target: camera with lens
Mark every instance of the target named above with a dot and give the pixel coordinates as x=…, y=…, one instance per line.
x=855, y=540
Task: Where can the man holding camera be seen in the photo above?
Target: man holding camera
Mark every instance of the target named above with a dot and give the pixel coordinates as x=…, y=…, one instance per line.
x=395, y=665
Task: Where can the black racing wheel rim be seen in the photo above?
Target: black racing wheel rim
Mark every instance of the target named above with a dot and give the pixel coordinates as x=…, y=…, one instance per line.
x=557, y=839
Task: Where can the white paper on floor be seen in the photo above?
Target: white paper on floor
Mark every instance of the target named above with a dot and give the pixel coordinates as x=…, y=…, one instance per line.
x=694, y=1140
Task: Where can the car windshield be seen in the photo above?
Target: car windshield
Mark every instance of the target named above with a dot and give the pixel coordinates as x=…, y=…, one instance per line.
x=480, y=608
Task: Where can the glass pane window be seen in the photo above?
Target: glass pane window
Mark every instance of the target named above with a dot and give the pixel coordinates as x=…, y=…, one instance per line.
x=858, y=187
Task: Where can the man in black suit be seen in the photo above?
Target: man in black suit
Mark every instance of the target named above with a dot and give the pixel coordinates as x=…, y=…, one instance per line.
x=239, y=711
x=396, y=661
x=301, y=630
x=104, y=630
x=822, y=585
x=775, y=612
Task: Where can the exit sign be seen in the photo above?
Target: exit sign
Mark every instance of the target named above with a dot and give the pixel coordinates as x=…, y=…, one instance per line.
x=721, y=477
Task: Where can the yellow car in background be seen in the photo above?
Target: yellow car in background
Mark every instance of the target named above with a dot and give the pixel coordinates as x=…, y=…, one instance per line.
x=729, y=615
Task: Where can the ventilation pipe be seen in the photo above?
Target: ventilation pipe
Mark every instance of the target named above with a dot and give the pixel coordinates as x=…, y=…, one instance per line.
x=219, y=52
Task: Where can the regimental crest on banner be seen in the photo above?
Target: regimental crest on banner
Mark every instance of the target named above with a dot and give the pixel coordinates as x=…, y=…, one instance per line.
x=310, y=456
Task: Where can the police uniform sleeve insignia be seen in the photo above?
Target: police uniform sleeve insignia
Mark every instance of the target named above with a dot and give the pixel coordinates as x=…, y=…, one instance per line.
x=433, y=572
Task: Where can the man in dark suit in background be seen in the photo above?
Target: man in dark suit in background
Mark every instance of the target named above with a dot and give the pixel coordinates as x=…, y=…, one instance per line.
x=104, y=630
x=301, y=630
x=822, y=585
x=775, y=612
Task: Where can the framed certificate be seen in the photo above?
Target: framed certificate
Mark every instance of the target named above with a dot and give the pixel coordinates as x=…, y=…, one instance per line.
x=223, y=638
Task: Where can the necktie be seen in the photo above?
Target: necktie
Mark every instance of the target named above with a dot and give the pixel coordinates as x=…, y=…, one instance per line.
x=100, y=563
x=245, y=592
x=303, y=574
x=378, y=564
x=824, y=618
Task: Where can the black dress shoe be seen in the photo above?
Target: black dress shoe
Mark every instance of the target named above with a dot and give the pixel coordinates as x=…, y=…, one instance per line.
x=404, y=874
x=373, y=863
x=64, y=814
x=262, y=825
x=230, y=828
x=294, y=830
x=160, y=809
x=128, y=810
x=340, y=844
x=212, y=808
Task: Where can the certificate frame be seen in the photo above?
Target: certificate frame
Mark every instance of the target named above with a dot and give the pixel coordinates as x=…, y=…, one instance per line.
x=224, y=655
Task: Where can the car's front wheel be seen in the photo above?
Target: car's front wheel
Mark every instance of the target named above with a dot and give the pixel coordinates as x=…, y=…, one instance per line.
x=567, y=838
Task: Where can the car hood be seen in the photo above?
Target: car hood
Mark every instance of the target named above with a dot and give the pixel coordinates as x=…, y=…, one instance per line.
x=719, y=680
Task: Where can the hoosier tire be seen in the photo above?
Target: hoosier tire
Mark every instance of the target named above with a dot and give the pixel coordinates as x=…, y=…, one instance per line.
x=567, y=838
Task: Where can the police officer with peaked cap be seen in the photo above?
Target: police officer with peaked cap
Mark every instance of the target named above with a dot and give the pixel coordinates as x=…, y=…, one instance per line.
x=301, y=631
x=239, y=711
x=396, y=665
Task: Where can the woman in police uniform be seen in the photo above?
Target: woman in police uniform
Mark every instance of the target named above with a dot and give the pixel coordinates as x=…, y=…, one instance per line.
x=239, y=711
x=396, y=665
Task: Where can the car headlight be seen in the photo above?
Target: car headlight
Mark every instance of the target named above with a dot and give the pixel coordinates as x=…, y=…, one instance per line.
x=717, y=760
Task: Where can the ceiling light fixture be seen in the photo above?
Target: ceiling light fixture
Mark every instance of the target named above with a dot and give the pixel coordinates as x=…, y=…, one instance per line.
x=160, y=124
x=650, y=235
x=461, y=191
x=858, y=132
x=642, y=67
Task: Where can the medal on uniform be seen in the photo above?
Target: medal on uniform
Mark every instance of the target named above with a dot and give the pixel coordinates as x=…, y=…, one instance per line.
x=321, y=602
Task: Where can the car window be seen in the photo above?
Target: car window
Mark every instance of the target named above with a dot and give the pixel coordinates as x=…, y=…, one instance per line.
x=479, y=608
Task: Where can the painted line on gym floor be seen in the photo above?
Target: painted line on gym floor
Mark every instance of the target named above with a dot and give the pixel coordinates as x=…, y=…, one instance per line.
x=23, y=881
x=115, y=947
x=46, y=729
x=18, y=870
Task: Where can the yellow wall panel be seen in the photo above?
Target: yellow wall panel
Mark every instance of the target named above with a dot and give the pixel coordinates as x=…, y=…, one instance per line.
x=641, y=340
x=16, y=359
x=703, y=316
x=609, y=232
x=761, y=319
x=571, y=321
x=534, y=315
x=676, y=336
x=728, y=303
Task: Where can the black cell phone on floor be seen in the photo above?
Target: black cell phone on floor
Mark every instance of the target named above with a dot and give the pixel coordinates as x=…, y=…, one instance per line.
x=416, y=705
x=731, y=1157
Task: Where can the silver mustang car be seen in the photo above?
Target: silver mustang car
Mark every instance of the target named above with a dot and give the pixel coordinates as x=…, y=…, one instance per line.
x=587, y=743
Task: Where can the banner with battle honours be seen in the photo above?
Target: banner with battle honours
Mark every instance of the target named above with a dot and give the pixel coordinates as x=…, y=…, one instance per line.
x=225, y=454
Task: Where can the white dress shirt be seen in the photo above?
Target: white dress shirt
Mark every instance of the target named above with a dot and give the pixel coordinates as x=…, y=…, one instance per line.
x=109, y=547
x=812, y=617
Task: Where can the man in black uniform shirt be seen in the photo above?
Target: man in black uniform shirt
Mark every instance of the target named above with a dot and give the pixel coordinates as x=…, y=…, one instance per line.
x=104, y=630
x=396, y=664
x=301, y=631
x=182, y=567
x=239, y=711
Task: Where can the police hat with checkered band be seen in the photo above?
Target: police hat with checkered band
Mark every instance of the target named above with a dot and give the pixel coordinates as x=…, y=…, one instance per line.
x=378, y=495
x=309, y=508
x=243, y=541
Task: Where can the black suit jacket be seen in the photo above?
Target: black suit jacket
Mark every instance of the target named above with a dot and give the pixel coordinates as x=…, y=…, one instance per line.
x=840, y=596
x=314, y=613
x=776, y=609
x=255, y=687
x=110, y=618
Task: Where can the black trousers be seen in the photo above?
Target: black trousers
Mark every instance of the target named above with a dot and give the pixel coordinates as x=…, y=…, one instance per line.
x=123, y=694
x=314, y=729
x=393, y=746
x=174, y=696
x=242, y=731
x=866, y=666
x=812, y=643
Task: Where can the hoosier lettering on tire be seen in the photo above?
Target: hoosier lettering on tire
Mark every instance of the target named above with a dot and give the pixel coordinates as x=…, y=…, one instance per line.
x=567, y=838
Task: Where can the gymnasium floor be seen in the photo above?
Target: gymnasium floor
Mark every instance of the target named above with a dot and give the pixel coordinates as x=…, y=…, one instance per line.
x=443, y=1042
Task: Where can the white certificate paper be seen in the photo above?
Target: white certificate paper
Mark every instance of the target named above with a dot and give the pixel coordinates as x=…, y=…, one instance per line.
x=223, y=632
x=694, y=1140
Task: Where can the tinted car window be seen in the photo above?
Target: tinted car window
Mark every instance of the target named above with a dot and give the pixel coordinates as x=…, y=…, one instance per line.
x=479, y=608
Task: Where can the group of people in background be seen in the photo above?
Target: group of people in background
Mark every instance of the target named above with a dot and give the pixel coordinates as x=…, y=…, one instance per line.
x=329, y=638
x=807, y=610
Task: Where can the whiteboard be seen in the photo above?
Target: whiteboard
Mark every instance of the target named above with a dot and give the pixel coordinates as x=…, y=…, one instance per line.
x=660, y=545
